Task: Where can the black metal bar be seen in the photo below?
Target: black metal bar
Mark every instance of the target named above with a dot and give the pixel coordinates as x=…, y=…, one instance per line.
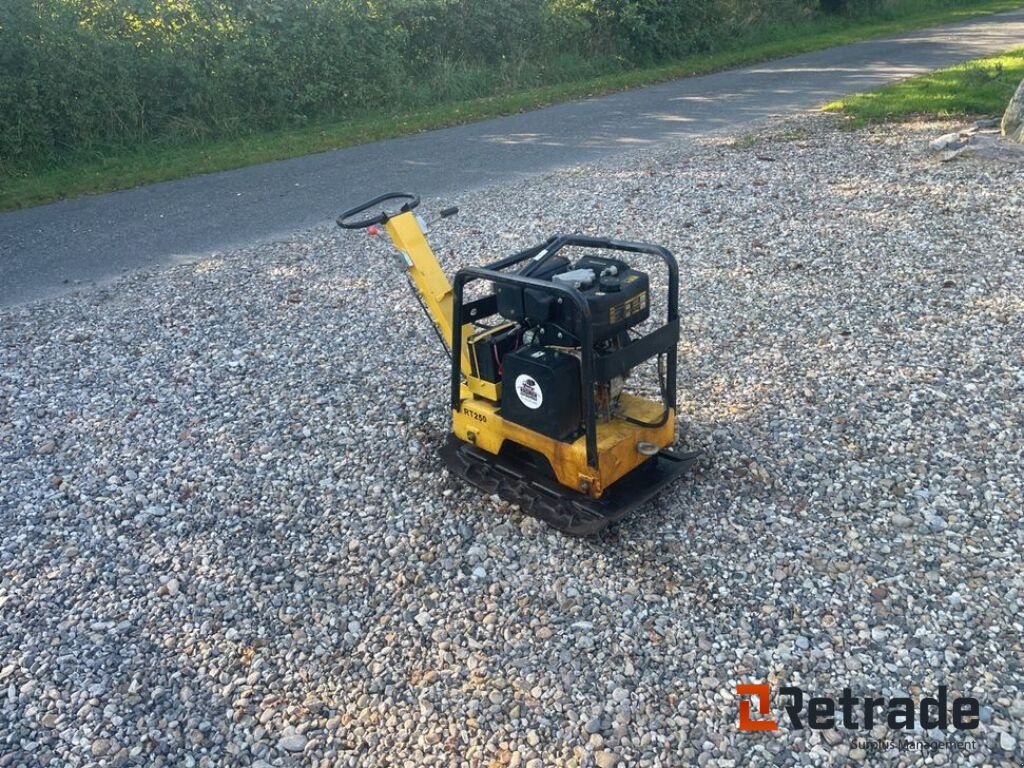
x=482, y=308
x=559, y=242
x=672, y=310
x=456, y=371
x=468, y=274
x=552, y=246
x=659, y=341
x=519, y=256
x=673, y=317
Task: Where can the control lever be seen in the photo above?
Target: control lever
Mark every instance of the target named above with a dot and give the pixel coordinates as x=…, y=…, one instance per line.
x=444, y=213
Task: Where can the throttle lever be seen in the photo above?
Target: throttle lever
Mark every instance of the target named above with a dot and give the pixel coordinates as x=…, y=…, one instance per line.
x=444, y=213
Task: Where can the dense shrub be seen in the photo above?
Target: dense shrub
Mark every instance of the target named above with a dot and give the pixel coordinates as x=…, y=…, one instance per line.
x=83, y=75
x=76, y=74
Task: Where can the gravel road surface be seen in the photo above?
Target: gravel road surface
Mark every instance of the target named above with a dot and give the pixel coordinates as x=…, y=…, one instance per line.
x=227, y=539
x=51, y=249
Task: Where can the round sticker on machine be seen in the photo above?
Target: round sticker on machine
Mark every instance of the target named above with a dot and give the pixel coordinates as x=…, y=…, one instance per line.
x=528, y=391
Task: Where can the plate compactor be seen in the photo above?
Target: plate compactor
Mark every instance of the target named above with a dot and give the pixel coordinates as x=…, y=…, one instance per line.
x=540, y=413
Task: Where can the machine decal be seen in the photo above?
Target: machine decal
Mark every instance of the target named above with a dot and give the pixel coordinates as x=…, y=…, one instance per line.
x=633, y=306
x=529, y=392
x=475, y=415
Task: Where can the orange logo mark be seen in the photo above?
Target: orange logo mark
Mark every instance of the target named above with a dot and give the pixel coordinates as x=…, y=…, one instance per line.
x=763, y=693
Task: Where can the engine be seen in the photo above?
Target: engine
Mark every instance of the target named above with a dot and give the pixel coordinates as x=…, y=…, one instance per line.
x=536, y=352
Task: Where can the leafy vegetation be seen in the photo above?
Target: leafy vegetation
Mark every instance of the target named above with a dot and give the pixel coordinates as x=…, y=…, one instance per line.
x=979, y=87
x=102, y=94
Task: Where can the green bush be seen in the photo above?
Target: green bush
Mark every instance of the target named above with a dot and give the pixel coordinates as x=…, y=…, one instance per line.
x=83, y=76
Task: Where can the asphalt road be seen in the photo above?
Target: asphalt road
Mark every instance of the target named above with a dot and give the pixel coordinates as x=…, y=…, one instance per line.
x=54, y=248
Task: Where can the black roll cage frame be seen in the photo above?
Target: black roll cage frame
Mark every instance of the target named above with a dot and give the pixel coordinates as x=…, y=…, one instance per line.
x=593, y=366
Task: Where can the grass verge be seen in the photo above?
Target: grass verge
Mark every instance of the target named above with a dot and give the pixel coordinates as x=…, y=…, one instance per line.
x=130, y=167
x=979, y=87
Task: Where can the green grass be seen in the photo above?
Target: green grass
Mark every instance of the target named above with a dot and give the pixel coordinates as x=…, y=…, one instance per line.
x=123, y=168
x=980, y=87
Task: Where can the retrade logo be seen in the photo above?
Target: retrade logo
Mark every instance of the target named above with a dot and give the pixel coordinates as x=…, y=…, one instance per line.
x=763, y=692
x=856, y=712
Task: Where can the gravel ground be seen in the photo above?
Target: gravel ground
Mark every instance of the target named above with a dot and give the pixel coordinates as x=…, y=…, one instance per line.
x=227, y=539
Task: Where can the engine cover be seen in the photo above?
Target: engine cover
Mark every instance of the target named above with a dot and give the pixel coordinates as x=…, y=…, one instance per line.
x=617, y=301
x=616, y=294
